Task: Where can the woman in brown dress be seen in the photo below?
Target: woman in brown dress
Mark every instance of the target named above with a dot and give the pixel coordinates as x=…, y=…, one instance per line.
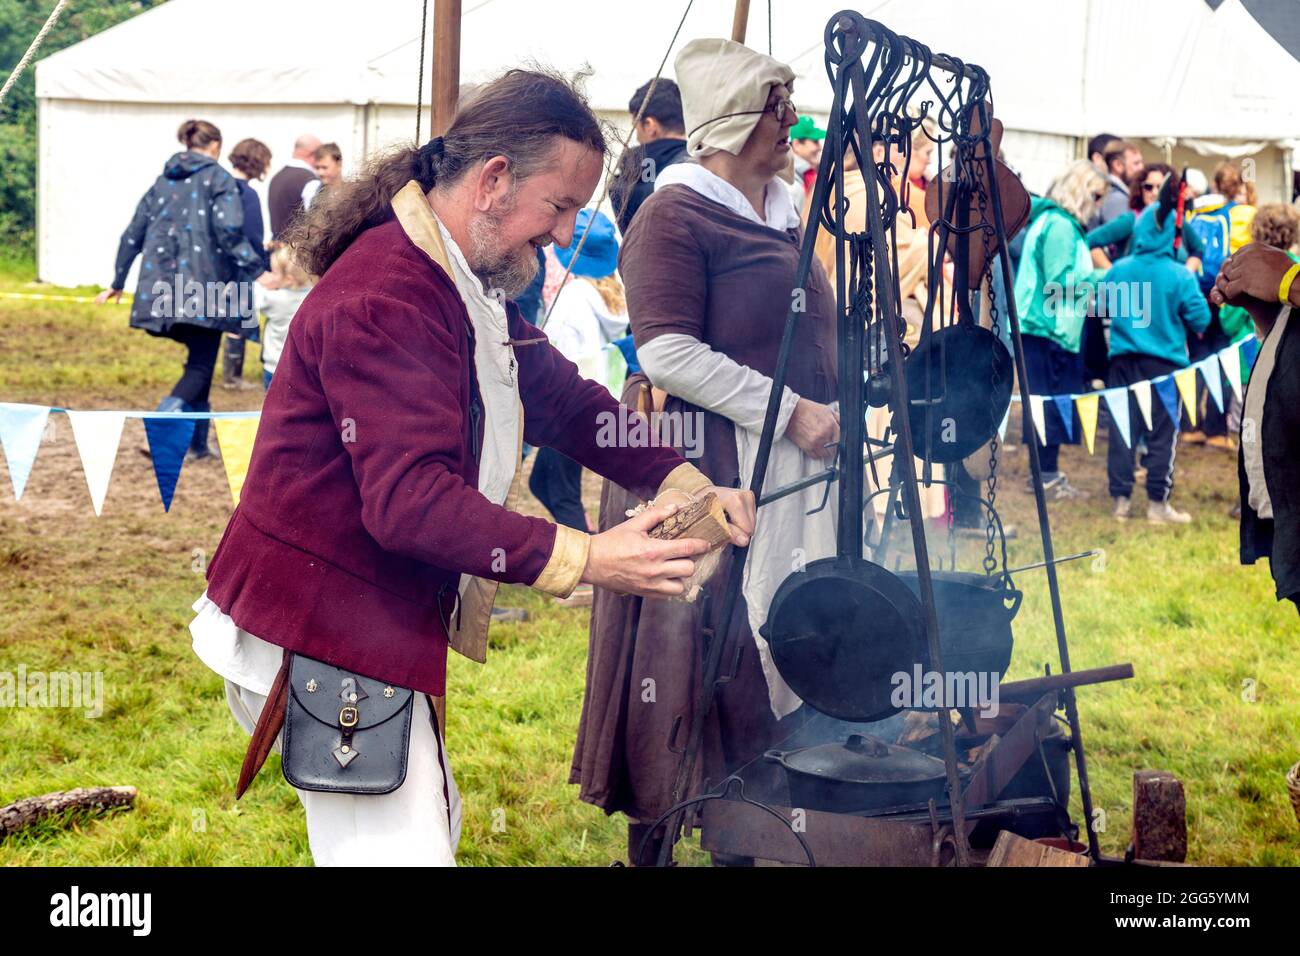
x=709, y=265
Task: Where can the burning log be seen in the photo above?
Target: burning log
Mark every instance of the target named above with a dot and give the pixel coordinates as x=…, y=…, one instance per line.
x=30, y=810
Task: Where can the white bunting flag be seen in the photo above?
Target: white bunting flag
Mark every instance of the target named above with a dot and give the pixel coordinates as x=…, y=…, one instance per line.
x=1230, y=359
x=1209, y=370
x=1142, y=393
x=21, y=427
x=1036, y=413
x=97, y=435
x=1117, y=406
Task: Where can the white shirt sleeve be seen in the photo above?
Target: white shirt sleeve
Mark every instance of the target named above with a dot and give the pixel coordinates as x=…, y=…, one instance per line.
x=684, y=366
x=309, y=191
x=572, y=327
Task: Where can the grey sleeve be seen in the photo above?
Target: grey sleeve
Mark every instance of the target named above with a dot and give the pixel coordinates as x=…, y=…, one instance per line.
x=1114, y=205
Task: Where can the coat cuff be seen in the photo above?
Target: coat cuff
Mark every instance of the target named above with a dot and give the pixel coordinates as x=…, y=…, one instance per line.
x=568, y=560
x=685, y=477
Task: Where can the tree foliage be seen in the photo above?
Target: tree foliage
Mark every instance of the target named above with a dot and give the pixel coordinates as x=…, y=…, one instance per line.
x=20, y=21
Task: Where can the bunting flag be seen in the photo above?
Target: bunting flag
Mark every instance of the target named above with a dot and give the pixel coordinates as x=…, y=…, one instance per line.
x=1117, y=408
x=21, y=427
x=1209, y=367
x=1087, y=405
x=1036, y=413
x=236, y=437
x=1230, y=359
x=1142, y=393
x=1185, y=379
x=168, y=442
x=97, y=435
x=1249, y=349
x=1168, y=394
x=1065, y=407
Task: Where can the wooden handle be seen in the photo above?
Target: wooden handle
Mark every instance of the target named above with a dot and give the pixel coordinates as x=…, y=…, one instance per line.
x=1036, y=686
x=446, y=65
x=740, y=20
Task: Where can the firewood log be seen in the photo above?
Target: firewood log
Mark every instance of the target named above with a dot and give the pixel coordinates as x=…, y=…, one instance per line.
x=25, y=812
x=703, y=518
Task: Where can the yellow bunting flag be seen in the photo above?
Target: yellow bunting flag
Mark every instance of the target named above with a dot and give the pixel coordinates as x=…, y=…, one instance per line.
x=236, y=437
x=1087, y=406
x=1186, y=382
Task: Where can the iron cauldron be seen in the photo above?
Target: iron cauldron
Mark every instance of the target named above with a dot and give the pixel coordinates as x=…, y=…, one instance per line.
x=975, y=611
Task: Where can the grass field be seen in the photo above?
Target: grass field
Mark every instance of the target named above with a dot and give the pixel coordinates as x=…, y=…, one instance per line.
x=1216, y=699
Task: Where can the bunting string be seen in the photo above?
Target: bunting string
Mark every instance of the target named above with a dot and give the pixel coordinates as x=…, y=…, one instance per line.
x=1175, y=391
x=98, y=434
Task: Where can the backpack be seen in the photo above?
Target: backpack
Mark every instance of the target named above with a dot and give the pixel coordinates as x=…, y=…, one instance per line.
x=1214, y=229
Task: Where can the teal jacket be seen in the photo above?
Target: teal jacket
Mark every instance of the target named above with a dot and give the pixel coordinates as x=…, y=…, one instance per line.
x=1119, y=232
x=1055, y=280
x=1152, y=301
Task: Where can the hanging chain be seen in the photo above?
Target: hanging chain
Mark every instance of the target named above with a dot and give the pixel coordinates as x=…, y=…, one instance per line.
x=986, y=236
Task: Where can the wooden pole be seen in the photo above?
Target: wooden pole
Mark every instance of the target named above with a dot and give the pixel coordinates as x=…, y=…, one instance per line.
x=740, y=21
x=446, y=65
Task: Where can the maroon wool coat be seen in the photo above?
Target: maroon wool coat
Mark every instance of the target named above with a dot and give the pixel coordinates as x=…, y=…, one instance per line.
x=339, y=549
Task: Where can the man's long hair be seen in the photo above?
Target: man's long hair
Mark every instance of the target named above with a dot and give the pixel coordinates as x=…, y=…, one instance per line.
x=518, y=116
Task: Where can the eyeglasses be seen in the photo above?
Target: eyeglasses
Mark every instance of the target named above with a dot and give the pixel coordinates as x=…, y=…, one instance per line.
x=779, y=109
x=1150, y=187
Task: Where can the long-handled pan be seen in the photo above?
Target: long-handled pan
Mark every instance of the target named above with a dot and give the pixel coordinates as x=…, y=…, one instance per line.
x=960, y=377
x=841, y=627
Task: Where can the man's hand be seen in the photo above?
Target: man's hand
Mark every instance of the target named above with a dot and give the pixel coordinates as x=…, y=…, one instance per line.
x=1256, y=271
x=626, y=560
x=109, y=295
x=740, y=509
x=812, y=427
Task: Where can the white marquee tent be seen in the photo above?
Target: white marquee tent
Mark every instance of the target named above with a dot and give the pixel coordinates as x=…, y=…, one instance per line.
x=1188, y=81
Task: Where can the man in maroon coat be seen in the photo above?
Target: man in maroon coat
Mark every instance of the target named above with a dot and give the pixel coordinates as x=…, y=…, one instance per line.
x=372, y=530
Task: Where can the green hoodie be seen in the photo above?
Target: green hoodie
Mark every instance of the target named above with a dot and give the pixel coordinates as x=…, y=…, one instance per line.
x=1055, y=278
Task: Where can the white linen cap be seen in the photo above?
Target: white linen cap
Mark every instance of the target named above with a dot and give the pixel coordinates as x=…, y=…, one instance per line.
x=718, y=77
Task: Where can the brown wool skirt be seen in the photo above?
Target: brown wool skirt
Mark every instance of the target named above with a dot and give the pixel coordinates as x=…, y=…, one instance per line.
x=643, y=674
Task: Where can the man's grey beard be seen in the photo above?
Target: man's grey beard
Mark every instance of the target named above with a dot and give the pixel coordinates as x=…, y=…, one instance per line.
x=510, y=272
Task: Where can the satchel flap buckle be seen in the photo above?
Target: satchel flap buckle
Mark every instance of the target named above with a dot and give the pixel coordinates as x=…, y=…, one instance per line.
x=348, y=716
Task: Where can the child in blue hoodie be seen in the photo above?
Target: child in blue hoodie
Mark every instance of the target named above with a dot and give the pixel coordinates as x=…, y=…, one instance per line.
x=1153, y=303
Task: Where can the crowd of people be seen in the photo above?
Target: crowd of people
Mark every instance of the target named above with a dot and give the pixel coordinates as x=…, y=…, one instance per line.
x=200, y=227
x=1146, y=243
x=407, y=301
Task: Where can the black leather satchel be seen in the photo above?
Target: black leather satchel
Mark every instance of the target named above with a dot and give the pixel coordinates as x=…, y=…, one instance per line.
x=344, y=733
